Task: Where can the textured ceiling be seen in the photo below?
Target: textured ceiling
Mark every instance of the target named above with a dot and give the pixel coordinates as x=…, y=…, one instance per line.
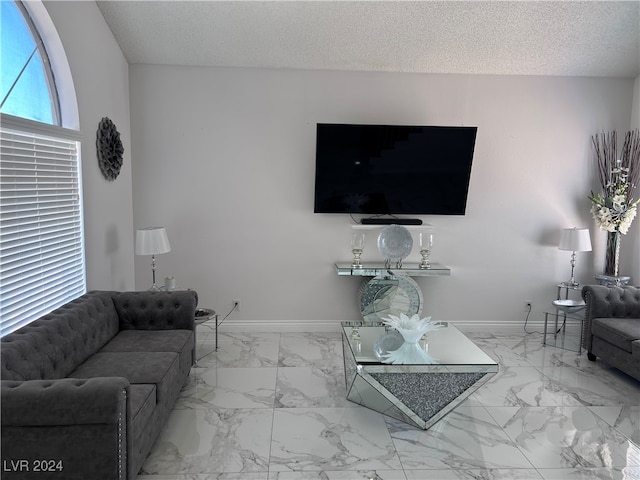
x=576, y=38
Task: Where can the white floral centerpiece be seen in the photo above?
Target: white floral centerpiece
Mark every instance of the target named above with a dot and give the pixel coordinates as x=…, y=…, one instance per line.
x=615, y=208
x=615, y=212
x=411, y=329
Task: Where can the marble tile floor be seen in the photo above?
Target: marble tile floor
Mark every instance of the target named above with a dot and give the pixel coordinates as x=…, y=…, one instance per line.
x=271, y=406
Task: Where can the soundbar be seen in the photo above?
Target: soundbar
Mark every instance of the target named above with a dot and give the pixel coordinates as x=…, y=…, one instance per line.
x=391, y=221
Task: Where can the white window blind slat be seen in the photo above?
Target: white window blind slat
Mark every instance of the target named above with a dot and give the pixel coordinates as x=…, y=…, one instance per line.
x=35, y=306
x=23, y=230
x=38, y=264
x=42, y=264
x=18, y=297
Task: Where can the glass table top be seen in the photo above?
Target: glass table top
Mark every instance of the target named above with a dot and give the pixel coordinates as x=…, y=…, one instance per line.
x=447, y=345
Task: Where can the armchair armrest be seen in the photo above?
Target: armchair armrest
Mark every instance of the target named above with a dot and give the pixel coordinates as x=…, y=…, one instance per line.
x=66, y=401
x=156, y=310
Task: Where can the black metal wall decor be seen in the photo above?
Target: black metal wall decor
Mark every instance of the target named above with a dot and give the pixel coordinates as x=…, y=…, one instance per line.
x=110, y=149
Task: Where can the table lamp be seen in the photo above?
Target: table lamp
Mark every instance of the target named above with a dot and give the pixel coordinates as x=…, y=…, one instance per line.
x=575, y=240
x=152, y=241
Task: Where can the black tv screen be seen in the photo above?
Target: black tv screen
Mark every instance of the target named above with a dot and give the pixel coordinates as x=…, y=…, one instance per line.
x=393, y=169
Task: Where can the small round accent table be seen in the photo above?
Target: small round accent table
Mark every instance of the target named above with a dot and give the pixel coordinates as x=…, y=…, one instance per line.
x=570, y=309
x=569, y=306
x=202, y=316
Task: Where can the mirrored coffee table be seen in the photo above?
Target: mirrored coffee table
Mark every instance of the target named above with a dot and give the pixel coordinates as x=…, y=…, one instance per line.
x=418, y=394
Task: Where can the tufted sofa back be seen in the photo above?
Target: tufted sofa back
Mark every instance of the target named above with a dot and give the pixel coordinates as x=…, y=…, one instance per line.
x=150, y=310
x=54, y=345
x=612, y=302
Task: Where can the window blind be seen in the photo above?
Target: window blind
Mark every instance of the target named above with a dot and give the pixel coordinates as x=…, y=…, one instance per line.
x=42, y=264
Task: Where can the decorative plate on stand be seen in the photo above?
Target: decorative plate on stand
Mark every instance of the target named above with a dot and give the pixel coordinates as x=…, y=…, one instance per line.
x=395, y=243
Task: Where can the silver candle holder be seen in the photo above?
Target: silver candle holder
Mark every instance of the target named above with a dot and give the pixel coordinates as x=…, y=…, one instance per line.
x=426, y=244
x=358, y=241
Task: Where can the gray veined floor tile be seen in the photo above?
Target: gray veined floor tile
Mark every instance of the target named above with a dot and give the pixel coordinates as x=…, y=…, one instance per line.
x=547, y=409
x=501, y=353
x=625, y=473
x=299, y=387
x=331, y=439
x=210, y=476
x=243, y=350
x=604, y=388
x=521, y=386
x=210, y=441
x=340, y=475
x=229, y=388
x=565, y=437
x=474, y=474
x=480, y=336
x=536, y=354
x=467, y=438
x=624, y=418
x=305, y=349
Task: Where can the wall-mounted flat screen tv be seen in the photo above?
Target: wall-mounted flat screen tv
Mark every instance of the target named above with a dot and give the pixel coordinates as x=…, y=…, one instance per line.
x=393, y=169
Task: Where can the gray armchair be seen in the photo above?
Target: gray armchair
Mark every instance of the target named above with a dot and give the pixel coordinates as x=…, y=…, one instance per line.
x=612, y=326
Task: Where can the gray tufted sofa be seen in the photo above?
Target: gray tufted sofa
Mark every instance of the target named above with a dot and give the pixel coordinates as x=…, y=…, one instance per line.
x=87, y=388
x=612, y=326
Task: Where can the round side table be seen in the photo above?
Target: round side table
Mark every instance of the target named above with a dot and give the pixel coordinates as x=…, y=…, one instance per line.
x=202, y=316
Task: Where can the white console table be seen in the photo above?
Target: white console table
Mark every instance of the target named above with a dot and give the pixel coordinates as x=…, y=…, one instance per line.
x=391, y=291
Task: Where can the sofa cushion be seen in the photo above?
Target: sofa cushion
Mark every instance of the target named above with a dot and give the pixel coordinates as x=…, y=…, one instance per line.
x=179, y=341
x=617, y=331
x=150, y=341
x=159, y=368
x=141, y=405
x=54, y=345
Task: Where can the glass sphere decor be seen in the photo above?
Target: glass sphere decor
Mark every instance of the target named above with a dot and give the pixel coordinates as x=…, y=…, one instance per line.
x=411, y=329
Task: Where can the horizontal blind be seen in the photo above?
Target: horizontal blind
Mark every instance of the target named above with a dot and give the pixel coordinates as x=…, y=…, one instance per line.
x=42, y=264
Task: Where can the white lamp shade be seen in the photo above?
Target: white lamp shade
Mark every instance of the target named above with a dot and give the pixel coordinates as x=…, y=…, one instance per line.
x=575, y=239
x=152, y=241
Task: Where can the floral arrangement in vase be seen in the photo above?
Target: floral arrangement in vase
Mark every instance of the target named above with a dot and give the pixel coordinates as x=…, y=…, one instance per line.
x=411, y=329
x=615, y=208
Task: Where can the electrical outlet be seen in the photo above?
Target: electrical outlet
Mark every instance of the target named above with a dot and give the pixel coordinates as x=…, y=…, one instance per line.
x=527, y=307
x=236, y=304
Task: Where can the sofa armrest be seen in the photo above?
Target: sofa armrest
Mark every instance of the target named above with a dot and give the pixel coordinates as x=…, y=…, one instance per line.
x=78, y=427
x=156, y=310
x=608, y=302
x=66, y=401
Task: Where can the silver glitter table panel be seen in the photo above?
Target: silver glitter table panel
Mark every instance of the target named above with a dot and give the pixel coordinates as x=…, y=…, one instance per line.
x=416, y=394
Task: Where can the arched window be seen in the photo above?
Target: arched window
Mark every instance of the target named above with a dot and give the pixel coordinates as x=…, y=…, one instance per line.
x=27, y=87
x=42, y=263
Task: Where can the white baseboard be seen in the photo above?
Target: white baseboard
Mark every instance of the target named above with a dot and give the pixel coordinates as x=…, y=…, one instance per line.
x=511, y=327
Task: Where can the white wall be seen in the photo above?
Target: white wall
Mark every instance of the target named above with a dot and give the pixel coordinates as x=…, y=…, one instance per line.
x=631, y=247
x=101, y=77
x=224, y=158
